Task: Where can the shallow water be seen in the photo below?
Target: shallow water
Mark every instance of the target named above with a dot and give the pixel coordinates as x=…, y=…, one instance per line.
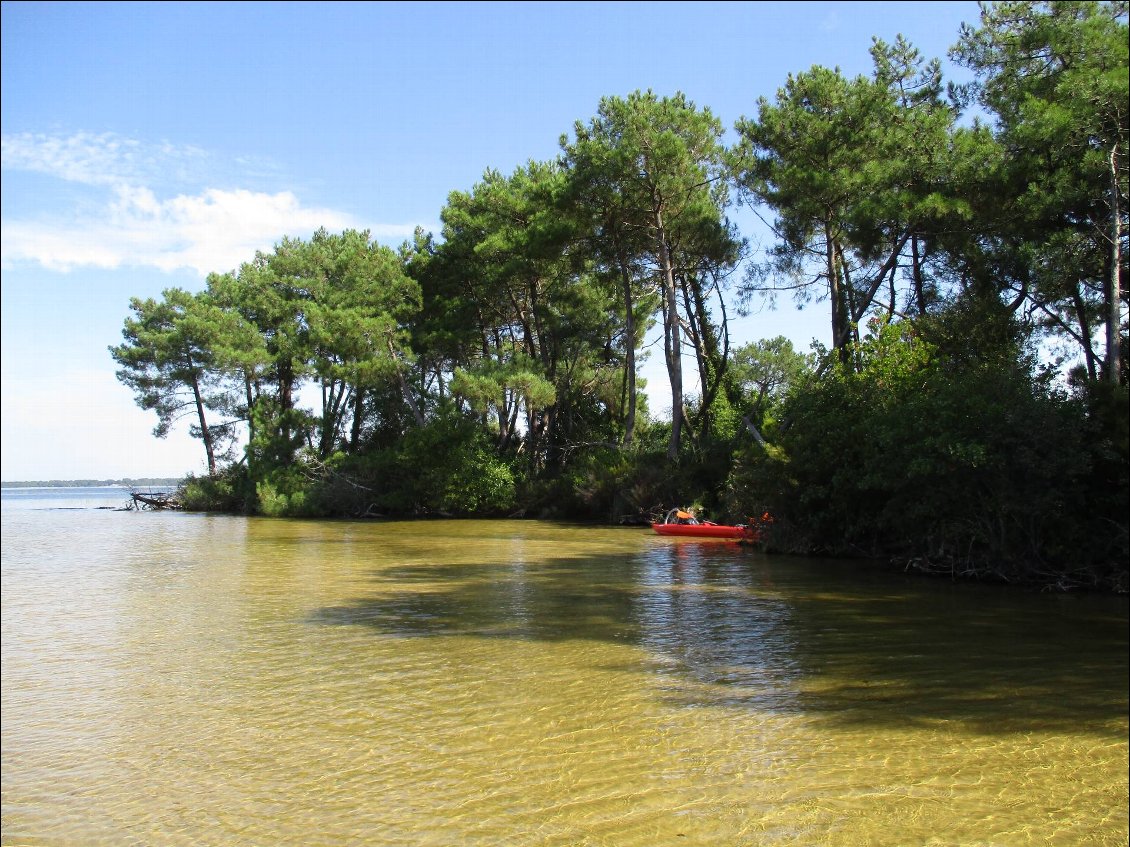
x=178, y=679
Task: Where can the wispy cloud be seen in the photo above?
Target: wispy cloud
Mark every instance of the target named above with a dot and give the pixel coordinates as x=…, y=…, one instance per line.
x=105, y=159
x=209, y=229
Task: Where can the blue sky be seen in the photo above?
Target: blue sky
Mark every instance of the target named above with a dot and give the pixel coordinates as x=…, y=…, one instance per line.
x=148, y=144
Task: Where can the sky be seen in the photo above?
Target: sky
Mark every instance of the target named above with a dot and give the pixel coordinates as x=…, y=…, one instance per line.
x=146, y=145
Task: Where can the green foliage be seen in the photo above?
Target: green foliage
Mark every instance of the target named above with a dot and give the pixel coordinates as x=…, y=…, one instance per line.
x=230, y=491
x=936, y=451
x=653, y=170
x=614, y=485
x=277, y=434
x=1056, y=76
x=448, y=466
x=288, y=493
x=331, y=309
x=513, y=313
x=765, y=371
x=454, y=470
x=725, y=419
x=857, y=173
x=171, y=360
x=486, y=385
x=274, y=503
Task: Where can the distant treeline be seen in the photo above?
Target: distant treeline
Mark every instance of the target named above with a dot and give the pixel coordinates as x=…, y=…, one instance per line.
x=142, y=482
x=968, y=244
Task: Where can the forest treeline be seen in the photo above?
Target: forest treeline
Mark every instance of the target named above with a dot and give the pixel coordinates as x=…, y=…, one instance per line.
x=968, y=243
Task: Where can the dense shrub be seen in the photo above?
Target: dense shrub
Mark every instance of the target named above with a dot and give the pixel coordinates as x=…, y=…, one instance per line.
x=447, y=466
x=929, y=453
x=226, y=492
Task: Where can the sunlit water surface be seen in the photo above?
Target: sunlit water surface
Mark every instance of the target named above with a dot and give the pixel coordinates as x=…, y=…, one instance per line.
x=177, y=679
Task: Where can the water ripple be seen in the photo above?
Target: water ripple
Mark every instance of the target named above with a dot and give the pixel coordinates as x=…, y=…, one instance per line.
x=195, y=681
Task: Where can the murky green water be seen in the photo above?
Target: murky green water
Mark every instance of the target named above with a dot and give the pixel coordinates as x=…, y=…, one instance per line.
x=192, y=680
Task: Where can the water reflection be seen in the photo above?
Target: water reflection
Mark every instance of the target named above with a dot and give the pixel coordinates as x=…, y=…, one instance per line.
x=706, y=614
x=550, y=600
x=980, y=658
x=831, y=639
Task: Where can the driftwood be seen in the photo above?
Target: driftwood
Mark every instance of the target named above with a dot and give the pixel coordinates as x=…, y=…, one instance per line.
x=141, y=500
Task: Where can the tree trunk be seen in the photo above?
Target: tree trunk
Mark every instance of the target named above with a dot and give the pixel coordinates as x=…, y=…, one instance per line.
x=250, y=395
x=358, y=414
x=919, y=282
x=205, y=433
x=335, y=400
x=1114, y=294
x=629, y=354
x=841, y=330
x=673, y=346
x=1084, y=338
x=285, y=374
x=405, y=390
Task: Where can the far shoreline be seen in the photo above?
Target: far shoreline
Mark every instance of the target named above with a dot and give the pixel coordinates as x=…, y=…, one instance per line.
x=125, y=482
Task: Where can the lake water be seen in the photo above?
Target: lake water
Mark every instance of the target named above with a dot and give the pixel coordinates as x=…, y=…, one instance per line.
x=186, y=679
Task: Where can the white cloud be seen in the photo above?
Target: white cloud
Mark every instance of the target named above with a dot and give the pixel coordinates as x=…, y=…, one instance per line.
x=212, y=230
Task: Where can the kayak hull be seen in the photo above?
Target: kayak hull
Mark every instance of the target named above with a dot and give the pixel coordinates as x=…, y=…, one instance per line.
x=700, y=530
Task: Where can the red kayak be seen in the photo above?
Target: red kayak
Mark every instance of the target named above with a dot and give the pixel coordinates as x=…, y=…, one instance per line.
x=685, y=525
x=705, y=530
